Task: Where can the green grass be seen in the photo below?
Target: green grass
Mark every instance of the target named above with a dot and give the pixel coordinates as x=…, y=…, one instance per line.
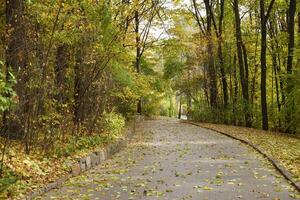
x=78, y=144
x=8, y=178
x=23, y=173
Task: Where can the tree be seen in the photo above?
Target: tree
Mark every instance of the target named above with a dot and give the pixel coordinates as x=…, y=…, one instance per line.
x=220, y=54
x=243, y=63
x=289, y=67
x=143, y=16
x=206, y=29
x=16, y=57
x=263, y=20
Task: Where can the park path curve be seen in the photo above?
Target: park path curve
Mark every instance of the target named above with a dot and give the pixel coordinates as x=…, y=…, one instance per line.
x=170, y=160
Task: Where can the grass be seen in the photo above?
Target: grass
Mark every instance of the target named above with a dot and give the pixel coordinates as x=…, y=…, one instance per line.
x=24, y=173
x=51, y=155
x=282, y=147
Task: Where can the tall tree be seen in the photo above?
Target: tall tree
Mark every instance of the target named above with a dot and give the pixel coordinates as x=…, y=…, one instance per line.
x=263, y=20
x=210, y=52
x=289, y=67
x=243, y=63
x=60, y=71
x=17, y=57
x=219, y=34
x=143, y=18
x=138, y=53
x=78, y=88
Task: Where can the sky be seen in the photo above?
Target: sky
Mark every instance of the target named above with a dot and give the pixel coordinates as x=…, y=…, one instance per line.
x=159, y=31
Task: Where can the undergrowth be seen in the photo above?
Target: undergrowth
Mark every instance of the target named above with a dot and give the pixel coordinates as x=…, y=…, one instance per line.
x=23, y=173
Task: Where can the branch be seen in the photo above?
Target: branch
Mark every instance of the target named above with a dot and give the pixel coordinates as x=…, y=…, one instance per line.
x=198, y=18
x=214, y=21
x=269, y=9
x=51, y=38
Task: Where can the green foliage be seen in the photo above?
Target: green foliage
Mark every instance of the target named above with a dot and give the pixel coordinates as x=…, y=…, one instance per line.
x=7, y=179
x=167, y=106
x=7, y=94
x=152, y=106
x=122, y=75
x=294, y=103
x=113, y=123
x=77, y=144
x=75, y=98
x=172, y=68
x=203, y=114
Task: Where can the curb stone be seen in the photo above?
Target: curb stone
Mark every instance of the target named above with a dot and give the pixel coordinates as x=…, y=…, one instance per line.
x=89, y=161
x=286, y=174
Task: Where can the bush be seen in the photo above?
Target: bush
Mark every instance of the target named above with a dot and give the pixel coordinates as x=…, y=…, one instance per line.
x=204, y=113
x=77, y=144
x=113, y=123
x=7, y=95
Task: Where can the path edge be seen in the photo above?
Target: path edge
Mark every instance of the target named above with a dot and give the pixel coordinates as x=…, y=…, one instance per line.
x=90, y=160
x=286, y=174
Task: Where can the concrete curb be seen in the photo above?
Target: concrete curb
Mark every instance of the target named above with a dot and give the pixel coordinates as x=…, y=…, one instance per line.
x=89, y=161
x=287, y=175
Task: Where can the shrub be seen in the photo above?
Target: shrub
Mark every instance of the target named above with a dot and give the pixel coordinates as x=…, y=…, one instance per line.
x=113, y=123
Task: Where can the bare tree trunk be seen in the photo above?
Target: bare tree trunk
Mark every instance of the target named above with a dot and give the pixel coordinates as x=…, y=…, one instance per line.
x=235, y=95
x=188, y=96
x=243, y=64
x=264, y=108
x=289, y=67
x=220, y=55
x=298, y=60
x=16, y=57
x=211, y=63
x=179, y=108
x=205, y=84
x=275, y=66
x=255, y=70
x=60, y=71
x=78, y=90
x=16, y=61
x=263, y=88
x=138, y=54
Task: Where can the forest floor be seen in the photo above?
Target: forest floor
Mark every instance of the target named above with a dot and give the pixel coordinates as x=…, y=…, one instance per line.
x=23, y=173
x=284, y=148
x=172, y=160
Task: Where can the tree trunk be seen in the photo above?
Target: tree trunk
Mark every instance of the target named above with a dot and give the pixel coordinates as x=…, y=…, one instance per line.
x=78, y=90
x=188, y=96
x=275, y=64
x=179, y=109
x=16, y=57
x=138, y=54
x=263, y=58
x=243, y=64
x=275, y=67
x=60, y=71
x=211, y=63
x=289, y=67
x=263, y=90
x=205, y=84
x=298, y=58
x=235, y=94
x=220, y=55
x=255, y=70
x=16, y=60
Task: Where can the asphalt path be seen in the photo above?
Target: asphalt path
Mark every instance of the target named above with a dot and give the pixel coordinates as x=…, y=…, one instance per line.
x=171, y=160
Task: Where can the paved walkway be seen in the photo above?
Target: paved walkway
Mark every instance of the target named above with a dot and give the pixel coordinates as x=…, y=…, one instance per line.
x=170, y=160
